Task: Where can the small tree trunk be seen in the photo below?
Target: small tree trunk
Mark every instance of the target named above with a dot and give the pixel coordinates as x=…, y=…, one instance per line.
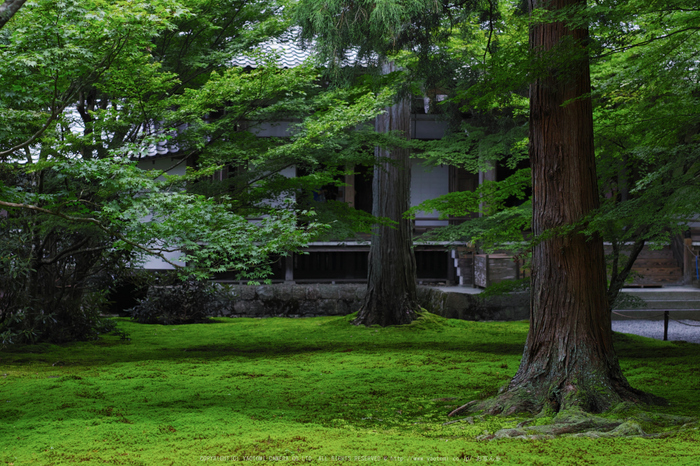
x=8, y=8
x=618, y=277
x=391, y=282
x=569, y=360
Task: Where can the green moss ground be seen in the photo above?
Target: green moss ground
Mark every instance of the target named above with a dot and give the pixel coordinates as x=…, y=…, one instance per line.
x=307, y=389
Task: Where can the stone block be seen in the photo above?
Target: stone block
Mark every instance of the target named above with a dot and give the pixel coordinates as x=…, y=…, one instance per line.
x=227, y=294
x=223, y=289
x=347, y=307
x=344, y=299
x=328, y=291
x=266, y=292
x=286, y=308
x=246, y=292
x=432, y=300
x=283, y=292
x=249, y=308
x=225, y=311
x=348, y=292
x=307, y=308
x=360, y=292
x=423, y=293
x=456, y=305
x=313, y=292
x=511, y=306
x=327, y=307
x=299, y=292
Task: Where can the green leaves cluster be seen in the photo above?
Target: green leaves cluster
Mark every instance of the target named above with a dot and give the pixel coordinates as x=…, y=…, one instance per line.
x=644, y=59
x=90, y=88
x=101, y=82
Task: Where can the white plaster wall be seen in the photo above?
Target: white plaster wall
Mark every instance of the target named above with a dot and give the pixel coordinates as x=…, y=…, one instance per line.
x=278, y=129
x=427, y=127
x=428, y=183
x=289, y=172
x=162, y=163
x=156, y=263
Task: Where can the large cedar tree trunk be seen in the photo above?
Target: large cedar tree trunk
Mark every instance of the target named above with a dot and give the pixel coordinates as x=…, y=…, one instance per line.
x=569, y=360
x=391, y=282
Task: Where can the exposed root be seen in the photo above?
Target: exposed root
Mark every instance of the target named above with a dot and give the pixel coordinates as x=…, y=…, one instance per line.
x=580, y=424
x=463, y=407
x=549, y=400
x=626, y=419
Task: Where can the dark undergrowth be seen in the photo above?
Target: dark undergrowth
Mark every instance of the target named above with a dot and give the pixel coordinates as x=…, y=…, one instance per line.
x=310, y=390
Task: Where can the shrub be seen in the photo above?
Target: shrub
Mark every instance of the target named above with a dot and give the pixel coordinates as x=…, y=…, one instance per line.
x=52, y=271
x=186, y=302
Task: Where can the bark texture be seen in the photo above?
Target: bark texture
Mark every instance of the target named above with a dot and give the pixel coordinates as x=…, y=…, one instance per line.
x=569, y=360
x=8, y=9
x=391, y=282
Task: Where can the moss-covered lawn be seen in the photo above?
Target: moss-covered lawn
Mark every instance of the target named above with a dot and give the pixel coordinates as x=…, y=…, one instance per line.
x=307, y=390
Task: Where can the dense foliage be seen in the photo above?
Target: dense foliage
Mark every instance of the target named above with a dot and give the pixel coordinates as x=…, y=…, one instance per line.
x=90, y=87
x=644, y=59
x=181, y=302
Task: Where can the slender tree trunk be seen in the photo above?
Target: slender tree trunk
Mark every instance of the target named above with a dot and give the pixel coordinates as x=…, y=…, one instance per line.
x=569, y=360
x=391, y=282
x=617, y=276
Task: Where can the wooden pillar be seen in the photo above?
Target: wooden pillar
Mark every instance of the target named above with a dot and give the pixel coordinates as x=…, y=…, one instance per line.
x=451, y=275
x=688, y=261
x=289, y=268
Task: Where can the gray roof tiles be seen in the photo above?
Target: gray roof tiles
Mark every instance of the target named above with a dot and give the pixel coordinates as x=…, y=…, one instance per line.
x=284, y=55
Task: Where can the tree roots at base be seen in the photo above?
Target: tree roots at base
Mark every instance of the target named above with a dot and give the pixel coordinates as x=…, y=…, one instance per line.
x=625, y=419
x=549, y=398
x=371, y=313
x=580, y=424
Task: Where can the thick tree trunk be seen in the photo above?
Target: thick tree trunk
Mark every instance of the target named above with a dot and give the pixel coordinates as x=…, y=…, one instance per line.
x=391, y=282
x=569, y=360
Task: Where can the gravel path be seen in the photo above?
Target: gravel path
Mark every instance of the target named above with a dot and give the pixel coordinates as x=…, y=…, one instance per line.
x=655, y=329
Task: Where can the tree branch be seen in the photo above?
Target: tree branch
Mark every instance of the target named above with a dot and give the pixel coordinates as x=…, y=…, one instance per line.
x=72, y=252
x=70, y=93
x=33, y=138
x=617, y=280
x=649, y=41
x=95, y=222
x=8, y=10
x=488, y=44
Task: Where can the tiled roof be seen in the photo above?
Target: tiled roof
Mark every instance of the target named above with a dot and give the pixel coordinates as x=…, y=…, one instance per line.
x=162, y=148
x=286, y=55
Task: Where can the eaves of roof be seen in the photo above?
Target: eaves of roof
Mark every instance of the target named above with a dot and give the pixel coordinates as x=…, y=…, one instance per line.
x=286, y=54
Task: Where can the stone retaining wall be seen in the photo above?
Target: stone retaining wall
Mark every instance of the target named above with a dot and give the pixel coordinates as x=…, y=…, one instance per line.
x=295, y=300
x=454, y=305
x=343, y=299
